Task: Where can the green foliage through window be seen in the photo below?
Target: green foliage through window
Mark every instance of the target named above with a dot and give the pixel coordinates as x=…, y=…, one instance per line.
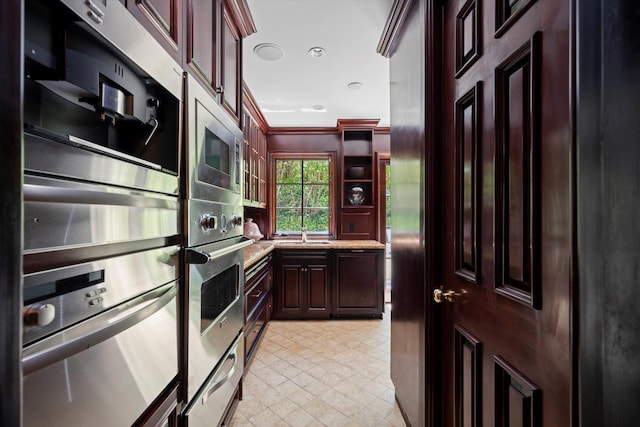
x=302, y=195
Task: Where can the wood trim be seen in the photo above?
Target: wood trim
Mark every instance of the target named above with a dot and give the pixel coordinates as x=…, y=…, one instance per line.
x=241, y=13
x=381, y=159
x=525, y=290
x=393, y=27
x=11, y=221
x=356, y=124
x=508, y=12
x=169, y=30
x=334, y=192
x=472, y=99
x=317, y=130
x=301, y=131
x=467, y=378
x=516, y=398
x=252, y=107
x=463, y=60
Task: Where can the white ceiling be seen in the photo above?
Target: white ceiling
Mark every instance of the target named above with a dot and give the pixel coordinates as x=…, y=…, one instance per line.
x=286, y=90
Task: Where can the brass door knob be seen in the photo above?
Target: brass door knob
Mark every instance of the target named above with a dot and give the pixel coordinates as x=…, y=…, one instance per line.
x=440, y=295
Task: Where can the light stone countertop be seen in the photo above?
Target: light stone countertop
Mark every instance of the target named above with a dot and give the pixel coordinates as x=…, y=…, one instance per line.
x=260, y=249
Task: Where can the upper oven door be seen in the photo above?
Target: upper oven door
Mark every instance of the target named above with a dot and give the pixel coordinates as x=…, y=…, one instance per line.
x=215, y=150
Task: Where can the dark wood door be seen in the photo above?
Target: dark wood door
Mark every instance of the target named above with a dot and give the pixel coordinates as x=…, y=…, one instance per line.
x=506, y=296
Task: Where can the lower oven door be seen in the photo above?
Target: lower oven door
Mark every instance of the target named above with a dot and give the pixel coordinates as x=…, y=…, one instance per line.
x=209, y=406
x=107, y=370
x=216, y=305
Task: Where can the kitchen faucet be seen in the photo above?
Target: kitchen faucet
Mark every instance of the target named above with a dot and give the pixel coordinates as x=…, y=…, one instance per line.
x=303, y=236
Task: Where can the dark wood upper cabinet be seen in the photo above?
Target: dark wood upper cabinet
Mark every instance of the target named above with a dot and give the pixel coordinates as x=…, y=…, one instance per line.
x=164, y=21
x=230, y=58
x=201, y=40
x=214, y=48
x=358, y=188
x=254, y=135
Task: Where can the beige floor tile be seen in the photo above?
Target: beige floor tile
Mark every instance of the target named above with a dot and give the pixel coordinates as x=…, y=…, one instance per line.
x=332, y=373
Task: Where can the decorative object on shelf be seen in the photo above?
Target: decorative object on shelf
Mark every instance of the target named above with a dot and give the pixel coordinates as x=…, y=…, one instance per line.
x=251, y=229
x=356, y=195
x=356, y=172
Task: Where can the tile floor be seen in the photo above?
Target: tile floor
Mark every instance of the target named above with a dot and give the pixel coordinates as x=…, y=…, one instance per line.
x=321, y=373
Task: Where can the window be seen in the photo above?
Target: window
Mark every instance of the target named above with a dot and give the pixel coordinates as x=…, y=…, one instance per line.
x=303, y=194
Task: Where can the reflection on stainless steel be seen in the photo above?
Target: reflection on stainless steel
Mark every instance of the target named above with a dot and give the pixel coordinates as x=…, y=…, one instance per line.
x=59, y=158
x=110, y=383
x=61, y=213
x=122, y=30
x=100, y=200
x=99, y=148
x=208, y=407
x=215, y=307
x=214, y=168
x=84, y=290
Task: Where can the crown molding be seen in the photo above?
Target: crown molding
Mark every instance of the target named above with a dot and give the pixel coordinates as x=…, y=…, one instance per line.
x=393, y=27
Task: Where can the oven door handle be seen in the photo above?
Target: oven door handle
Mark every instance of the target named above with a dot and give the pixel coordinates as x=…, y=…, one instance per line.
x=100, y=328
x=216, y=383
x=194, y=256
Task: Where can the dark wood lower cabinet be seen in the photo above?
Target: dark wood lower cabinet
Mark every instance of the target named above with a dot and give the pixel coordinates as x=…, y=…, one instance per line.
x=302, y=285
x=258, y=303
x=358, y=287
x=312, y=284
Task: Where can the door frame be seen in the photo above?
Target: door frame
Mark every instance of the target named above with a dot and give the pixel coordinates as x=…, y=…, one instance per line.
x=382, y=159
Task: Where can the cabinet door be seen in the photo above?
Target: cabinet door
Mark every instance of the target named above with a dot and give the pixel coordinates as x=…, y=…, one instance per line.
x=359, y=283
x=163, y=19
x=290, y=302
x=317, y=287
x=230, y=63
x=302, y=286
x=201, y=29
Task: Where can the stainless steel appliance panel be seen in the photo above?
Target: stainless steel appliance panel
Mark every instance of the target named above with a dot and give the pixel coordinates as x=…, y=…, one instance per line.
x=107, y=370
x=58, y=298
x=215, y=149
x=61, y=213
x=212, y=221
x=216, y=305
x=112, y=21
x=208, y=407
x=65, y=160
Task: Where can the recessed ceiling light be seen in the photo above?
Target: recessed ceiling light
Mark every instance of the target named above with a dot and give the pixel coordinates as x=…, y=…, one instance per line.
x=315, y=109
x=317, y=51
x=268, y=51
x=355, y=85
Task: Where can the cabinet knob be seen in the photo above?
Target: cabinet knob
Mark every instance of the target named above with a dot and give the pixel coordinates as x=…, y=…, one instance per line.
x=220, y=90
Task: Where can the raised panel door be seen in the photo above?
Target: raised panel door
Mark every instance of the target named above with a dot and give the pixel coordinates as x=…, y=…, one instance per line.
x=230, y=63
x=201, y=38
x=163, y=19
x=358, y=288
x=505, y=294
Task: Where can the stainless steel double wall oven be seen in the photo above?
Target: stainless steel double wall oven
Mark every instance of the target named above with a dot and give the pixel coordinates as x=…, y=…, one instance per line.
x=101, y=216
x=214, y=259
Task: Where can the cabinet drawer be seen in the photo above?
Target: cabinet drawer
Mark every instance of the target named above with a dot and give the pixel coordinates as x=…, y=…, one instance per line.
x=257, y=294
x=254, y=330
